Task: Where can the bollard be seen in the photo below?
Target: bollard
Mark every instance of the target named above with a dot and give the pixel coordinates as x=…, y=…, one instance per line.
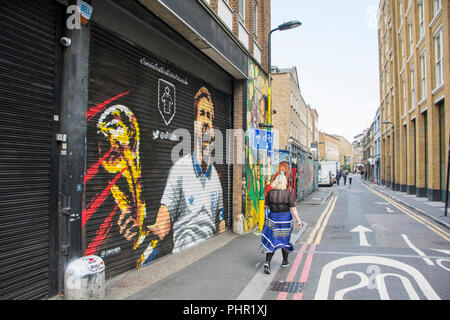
x=84, y=279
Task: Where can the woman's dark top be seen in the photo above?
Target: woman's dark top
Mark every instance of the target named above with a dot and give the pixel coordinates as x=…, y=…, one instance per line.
x=280, y=200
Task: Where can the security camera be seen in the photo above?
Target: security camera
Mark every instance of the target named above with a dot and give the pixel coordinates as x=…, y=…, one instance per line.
x=66, y=42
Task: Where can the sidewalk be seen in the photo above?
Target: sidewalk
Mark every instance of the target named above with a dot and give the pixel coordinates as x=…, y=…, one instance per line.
x=318, y=197
x=432, y=209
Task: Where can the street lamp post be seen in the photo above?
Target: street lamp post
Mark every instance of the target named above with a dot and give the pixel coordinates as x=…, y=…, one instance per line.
x=282, y=27
x=393, y=152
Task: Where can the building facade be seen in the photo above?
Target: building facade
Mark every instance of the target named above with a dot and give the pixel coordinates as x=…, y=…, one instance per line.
x=414, y=73
x=368, y=153
x=97, y=110
x=345, y=153
x=328, y=147
x=315, y=133
x=292, y=112
x=358, y=153
x=377, y=147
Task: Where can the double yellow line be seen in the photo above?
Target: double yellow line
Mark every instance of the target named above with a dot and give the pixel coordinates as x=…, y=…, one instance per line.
x=439, y=231
x=322, y=222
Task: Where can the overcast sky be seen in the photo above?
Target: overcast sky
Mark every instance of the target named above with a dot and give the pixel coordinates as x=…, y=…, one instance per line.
x=336, y=55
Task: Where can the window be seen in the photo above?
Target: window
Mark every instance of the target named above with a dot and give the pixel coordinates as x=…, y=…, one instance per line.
x=437, y=6
x=411, y=45
x=255, y=19
x=389, y=109
x=400, y=8
x=439, y=60
x=423, y=75
x=421, y=19
x=242, y=10
x=404, y=96
x=388, y=78
x=387, y=44
x=413, y=89
x=402, y=46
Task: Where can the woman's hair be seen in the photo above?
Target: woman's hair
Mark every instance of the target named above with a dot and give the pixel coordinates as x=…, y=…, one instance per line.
x=280, y=182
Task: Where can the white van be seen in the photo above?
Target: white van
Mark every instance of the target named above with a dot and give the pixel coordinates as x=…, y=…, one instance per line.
x=327, y=173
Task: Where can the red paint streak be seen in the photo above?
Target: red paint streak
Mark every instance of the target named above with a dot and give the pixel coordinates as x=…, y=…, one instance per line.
x=306, y=270
x=92, y=171
x=92, y=112
x=101, y=234
x=95, y=204
x=295, y=265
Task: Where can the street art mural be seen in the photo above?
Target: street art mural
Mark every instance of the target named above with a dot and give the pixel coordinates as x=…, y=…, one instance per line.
x=307, y=171
x=118, y=137
x=257, y=92
x=140, y=202
x=294, y=181
x=193, y=196
x=281, y=165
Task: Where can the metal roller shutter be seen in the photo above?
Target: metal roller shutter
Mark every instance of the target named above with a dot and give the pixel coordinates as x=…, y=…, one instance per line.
x=28, y=54
x=129, y=147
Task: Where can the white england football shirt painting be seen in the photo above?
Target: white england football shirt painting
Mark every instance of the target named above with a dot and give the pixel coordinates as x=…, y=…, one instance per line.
x=195, y=202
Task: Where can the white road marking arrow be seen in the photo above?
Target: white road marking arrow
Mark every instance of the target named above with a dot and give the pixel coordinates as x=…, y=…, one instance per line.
x=362, y=235
x=389, y=210
x=382, y=203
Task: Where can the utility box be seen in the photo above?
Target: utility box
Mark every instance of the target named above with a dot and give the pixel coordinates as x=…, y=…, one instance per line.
x=84, y=279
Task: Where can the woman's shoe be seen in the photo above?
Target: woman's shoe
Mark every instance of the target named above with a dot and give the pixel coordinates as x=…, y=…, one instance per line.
x=266, y=268
x=285, y=264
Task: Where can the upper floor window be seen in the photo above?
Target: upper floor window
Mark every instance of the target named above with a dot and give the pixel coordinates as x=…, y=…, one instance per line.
x=413, y=89
x=439, y=58
x=402, y=46
x=421, y=19
x=423, y=75
x=404, y=96
x=388, y=78
x=411, y=43
x=242, y=10
x=389, y=109
x=437, y=5
x=400, y=8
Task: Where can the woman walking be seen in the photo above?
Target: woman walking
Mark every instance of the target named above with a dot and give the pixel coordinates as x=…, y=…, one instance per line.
x=278, y=224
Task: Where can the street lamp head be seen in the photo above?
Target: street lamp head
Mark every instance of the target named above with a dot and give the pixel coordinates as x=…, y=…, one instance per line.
x=387, y=122
x=289, y=25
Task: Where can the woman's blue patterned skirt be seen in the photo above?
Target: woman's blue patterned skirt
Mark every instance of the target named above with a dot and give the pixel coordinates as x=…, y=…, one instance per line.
x=277, y=232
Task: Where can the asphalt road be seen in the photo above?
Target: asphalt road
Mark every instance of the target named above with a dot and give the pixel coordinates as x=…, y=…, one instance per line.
x=357, y=245
x=363, y=247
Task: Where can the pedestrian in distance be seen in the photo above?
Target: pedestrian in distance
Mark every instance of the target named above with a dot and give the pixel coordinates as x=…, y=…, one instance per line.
x=338, y=177
x=345, y=178
x=278, y=224
x=350, y=178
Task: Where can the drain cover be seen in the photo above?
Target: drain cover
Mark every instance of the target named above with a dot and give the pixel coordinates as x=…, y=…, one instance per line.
x=290, y=287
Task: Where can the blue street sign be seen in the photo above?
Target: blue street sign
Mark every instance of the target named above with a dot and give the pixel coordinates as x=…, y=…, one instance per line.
x=258, y=140
x=263, y=140
x=269, y=142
